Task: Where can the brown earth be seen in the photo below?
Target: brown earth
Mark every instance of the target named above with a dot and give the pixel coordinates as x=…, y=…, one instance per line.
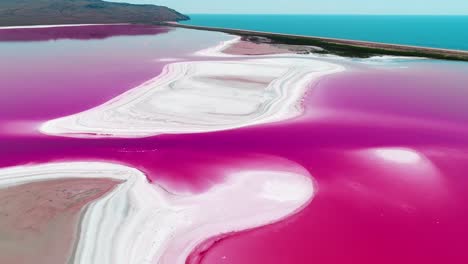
x=39, y=221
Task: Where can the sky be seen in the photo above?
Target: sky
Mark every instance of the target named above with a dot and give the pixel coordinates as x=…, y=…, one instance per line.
x=445, y=7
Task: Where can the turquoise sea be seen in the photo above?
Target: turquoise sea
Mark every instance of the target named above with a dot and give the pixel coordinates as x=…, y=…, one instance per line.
x=450, y=32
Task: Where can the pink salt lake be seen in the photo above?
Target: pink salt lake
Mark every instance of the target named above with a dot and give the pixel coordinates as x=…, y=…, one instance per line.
x=386, y=143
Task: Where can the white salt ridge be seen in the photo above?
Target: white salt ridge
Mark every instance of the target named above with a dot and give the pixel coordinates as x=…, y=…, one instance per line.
x=217, y=51
x=201, y=96
x=143, y=223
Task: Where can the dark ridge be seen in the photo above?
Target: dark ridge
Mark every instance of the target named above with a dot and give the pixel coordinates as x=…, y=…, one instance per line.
x=52, y=12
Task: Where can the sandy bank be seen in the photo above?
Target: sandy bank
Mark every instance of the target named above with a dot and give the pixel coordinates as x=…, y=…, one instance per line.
x=39, y=220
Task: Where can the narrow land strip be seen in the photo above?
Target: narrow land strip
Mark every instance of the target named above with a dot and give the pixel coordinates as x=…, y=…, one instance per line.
x=342, y=47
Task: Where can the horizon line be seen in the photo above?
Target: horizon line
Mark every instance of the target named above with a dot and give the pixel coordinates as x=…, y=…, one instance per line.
x=328, y=14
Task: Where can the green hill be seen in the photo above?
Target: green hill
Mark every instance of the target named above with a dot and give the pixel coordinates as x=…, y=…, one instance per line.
x=50, y=12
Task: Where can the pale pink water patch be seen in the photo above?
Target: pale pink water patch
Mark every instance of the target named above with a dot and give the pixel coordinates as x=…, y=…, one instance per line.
x=242, y=47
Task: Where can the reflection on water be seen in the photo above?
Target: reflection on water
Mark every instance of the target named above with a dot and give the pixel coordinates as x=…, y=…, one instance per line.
x=78, y=32
x=399, y=155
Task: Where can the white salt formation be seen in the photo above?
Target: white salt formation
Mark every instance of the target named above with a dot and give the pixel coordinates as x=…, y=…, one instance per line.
x=201, y=96
x=139, y=222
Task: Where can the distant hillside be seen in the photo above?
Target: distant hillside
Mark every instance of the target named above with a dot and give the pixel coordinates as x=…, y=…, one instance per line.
x=49, y=12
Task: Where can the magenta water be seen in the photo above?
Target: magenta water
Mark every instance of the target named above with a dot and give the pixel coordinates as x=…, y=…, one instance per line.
x=387, y=145
x=83, y=66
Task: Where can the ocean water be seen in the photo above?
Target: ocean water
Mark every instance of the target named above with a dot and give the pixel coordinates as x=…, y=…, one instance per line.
x=448, y=32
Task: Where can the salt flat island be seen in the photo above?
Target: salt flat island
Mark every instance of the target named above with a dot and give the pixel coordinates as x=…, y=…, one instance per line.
x=146, y=223
x=160, y=144
x=201, y=96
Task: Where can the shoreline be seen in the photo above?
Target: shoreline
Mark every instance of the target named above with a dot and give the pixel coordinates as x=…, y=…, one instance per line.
x=344, y=47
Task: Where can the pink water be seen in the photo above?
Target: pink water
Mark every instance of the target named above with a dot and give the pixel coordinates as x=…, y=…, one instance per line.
x=370, y=206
